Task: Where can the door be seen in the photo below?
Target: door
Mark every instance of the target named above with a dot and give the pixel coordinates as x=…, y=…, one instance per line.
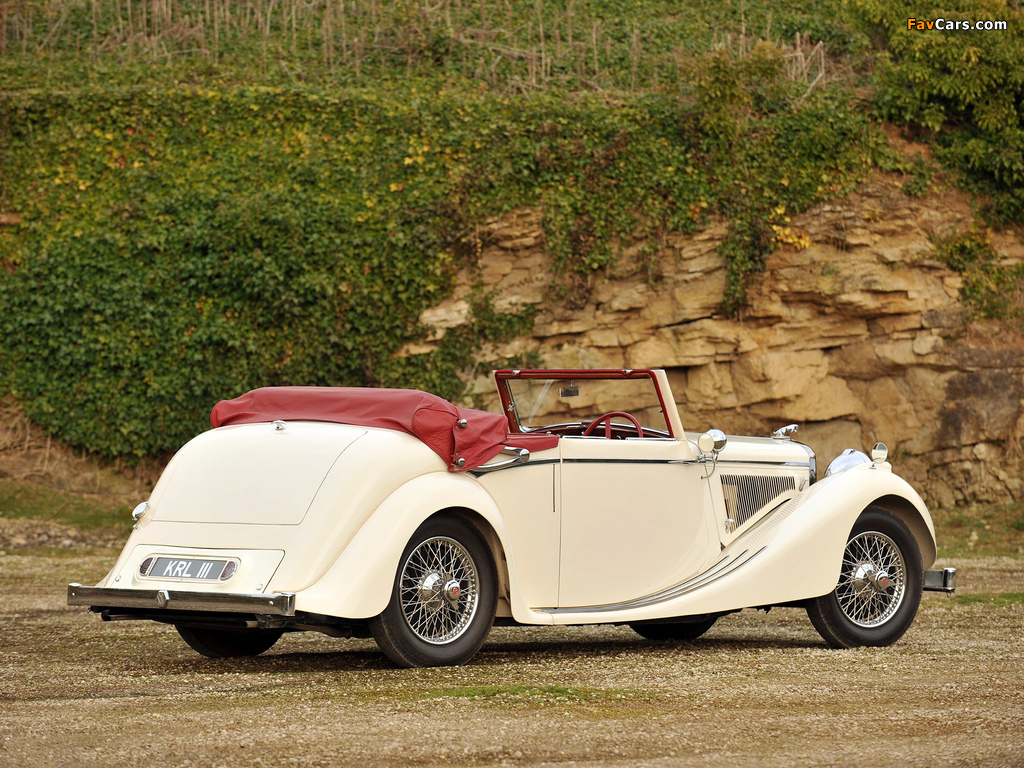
x=633, y=519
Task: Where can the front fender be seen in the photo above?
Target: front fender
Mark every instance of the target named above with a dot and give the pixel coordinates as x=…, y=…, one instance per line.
x=358, y=584
x=866, y=485
x=805, y=556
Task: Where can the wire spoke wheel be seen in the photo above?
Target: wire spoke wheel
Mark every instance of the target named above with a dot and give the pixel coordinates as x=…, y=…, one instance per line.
x=879, y=588
x=873, y=580
x=439, y=590
x=444, y=597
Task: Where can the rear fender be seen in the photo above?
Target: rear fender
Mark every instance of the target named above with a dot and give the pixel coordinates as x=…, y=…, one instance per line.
x=358, y=584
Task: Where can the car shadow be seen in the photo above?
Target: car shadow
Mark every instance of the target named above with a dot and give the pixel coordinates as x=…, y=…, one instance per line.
x=302, y=661
x=499, y=653
x=495, y=654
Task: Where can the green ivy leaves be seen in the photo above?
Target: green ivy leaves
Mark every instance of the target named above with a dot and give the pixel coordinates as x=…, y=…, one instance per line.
x=965, y=86
x=182, y=245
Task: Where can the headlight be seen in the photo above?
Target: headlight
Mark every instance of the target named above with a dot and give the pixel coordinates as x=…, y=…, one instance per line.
x=848, y=459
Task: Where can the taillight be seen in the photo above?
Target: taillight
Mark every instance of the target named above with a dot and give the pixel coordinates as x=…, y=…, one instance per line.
x=140, y=511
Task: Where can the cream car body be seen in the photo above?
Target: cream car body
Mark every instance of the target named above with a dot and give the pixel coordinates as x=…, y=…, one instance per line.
x=661, y=529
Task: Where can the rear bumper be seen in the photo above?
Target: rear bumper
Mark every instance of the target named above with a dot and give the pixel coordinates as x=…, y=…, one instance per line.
x=943, y=580
x=100, y=598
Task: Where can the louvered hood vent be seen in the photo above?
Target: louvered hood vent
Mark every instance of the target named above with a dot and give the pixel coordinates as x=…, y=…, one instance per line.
x=746, y=495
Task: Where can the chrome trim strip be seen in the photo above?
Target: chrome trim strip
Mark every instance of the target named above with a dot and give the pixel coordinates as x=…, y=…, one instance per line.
x=812, y=460
x=483, y=470
x=803, y=464
x=629, y=461
x=277, y=603
x=944, y=580
x=517, y=456
x=719, y=570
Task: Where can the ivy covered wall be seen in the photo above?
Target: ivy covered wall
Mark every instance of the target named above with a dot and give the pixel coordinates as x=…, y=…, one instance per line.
x=262, y=209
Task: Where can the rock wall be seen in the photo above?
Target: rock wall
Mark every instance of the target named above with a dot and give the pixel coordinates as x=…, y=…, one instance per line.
x=858, y=338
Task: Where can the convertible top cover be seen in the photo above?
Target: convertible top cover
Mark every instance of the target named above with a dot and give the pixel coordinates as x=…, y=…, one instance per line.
x=429, y=418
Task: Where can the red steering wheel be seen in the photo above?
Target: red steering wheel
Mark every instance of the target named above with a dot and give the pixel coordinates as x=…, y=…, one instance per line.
x=607, y=419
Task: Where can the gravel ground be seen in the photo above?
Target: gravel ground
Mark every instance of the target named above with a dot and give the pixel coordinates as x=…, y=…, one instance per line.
x=757, y=690
x=18, y=535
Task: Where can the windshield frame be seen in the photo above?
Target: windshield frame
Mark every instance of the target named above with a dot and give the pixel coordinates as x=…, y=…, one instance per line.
x=509, y=408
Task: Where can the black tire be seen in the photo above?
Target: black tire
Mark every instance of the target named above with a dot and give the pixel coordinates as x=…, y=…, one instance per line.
x=879, y=588
x=689, y=630
x=225, y=644
x=443, y=601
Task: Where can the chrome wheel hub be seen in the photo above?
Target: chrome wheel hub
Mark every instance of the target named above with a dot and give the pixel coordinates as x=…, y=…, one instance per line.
x=438, y=590
x=867, y=576
x=873, y=579
x=452, y=590
x=430, y=592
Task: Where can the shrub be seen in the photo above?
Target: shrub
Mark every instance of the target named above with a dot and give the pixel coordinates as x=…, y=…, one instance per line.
x=966, y=86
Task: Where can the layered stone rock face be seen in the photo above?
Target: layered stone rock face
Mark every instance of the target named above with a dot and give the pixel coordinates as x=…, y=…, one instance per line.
x=859, y=338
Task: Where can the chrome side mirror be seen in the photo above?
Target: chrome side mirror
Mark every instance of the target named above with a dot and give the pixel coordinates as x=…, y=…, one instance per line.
x=712, y=441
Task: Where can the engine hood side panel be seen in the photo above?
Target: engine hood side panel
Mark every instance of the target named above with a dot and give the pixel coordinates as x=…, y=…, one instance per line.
x=759, y=450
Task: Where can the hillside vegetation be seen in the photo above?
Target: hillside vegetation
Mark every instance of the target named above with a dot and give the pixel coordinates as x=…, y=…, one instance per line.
x=213, y=196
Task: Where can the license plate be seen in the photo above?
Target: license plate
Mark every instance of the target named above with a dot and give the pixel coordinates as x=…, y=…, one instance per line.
x=190, y=569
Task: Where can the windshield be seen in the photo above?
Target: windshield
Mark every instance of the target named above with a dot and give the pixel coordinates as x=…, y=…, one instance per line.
x=543, y=402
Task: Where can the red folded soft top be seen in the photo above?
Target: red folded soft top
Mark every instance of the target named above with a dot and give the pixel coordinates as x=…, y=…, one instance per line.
x=429, y=418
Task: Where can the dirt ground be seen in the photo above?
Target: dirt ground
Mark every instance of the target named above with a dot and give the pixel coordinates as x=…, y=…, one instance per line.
x=757, y=690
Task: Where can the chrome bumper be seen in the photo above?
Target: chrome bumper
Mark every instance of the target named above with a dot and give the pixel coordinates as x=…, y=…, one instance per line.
x=277, y=604
x=940, y=580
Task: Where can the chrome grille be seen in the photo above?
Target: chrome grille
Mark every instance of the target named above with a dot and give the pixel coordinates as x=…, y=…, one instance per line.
x=746, y=495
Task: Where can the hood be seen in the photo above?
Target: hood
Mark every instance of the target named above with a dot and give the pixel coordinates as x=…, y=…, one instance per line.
x=761, y=449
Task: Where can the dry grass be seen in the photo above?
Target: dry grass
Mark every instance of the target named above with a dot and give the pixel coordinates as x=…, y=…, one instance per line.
x=515, y=45
x=29, y=454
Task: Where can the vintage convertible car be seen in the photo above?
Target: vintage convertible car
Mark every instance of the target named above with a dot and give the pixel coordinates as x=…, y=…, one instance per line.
x=393, y=513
